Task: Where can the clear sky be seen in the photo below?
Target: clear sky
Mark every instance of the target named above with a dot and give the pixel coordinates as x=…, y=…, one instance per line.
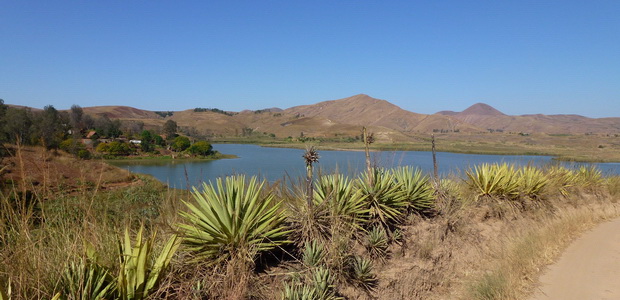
x=521, y=57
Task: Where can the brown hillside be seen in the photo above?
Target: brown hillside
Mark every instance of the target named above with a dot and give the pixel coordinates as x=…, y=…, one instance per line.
x=481, y=109
x=121, y=112
x=345, y=117
x=363, y=110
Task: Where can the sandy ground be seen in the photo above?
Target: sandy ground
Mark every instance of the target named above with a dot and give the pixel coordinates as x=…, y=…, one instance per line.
x=589, y=269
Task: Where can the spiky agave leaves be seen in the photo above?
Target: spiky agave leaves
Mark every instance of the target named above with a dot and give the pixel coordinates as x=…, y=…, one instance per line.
x=139, y=274
x=494, y=180
x=345, y=203
x=377, y=242
x=416, y=187
x=532, y=182
x=233, y=219
x=384, y=198
x=87, y=280
x=361, y=273
x=314, y=254
x=319, y=285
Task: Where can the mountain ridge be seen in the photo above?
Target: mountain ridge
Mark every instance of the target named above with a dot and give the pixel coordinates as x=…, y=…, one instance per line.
x=345, y=117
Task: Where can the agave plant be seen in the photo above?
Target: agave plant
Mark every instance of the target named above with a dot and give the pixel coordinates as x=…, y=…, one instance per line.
x=344, y=202
x=589, y=177
x=139, y=275
x=532, y=182
x=232, y=220
x=384, y=199
x=87, y=280
x=318, y=286
x=416, y=187
x=313, y=254
x=494, y=180
x=563, y=179
x=377, y=242
x=361, y=273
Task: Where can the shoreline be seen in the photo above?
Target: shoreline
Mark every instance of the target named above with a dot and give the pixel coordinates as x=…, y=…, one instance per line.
x=419, y=148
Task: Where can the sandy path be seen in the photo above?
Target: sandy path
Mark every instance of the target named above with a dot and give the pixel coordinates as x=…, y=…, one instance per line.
x=589, y=269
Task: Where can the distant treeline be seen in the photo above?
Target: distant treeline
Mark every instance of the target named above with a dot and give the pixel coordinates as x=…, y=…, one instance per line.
x=82, y=134
x=215, y=110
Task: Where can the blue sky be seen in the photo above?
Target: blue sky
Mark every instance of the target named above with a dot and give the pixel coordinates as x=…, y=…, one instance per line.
x=521, y=57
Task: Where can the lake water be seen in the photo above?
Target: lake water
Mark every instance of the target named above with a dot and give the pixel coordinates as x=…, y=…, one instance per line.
x=283, y=163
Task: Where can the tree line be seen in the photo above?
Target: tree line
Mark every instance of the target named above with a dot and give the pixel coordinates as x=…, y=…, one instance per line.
x=67, y=130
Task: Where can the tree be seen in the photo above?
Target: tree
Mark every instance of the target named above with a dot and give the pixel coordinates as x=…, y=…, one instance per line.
x=18, y=125
x=51, y=127
x=76, y=115
x=146, y=143
x=170, y=129
x=180, y=143
x=201, y=148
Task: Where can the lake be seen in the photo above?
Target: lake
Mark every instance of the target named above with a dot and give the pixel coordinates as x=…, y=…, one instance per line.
x=280, y=163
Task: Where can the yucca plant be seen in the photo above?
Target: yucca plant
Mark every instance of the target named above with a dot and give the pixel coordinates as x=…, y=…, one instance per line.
x=87, y=280
x=319, y=285
x=377, y=242
x=613, y=186
x=314, y=254
x=361, y=273
x=384, y=198
x=416, y=187
x=233, y=219
x=562, y=179
x=310, y=156
x=299, y=291
x=532, y=182
x=589, y=177
x=323, y=283
x=139, y=275
x=338, y=194
x=494, y=180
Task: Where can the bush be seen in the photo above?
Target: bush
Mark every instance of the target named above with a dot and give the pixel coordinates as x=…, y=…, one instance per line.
x=232, y=221
x=180, y=143
x=416, y=187
x=384, y=198
x=494, y=180
x=201, y=148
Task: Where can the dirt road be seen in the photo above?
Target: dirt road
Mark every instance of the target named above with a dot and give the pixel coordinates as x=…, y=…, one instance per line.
x=589, y=269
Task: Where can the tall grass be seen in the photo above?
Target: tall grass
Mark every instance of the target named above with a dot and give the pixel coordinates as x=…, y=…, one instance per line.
x=238, y=233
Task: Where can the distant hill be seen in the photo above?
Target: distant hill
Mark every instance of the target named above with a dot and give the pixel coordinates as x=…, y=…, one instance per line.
x=481, y=109
x=345, y=117
x=121, y=112
x=486, y=117
x=364, y=110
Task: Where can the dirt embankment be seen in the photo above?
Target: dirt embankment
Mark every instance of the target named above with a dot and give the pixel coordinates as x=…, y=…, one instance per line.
x=39, y=170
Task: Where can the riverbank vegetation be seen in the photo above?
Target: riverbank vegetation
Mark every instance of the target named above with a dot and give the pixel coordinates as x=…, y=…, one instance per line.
x=86, y=137
x=569, y=147
x=384, y=234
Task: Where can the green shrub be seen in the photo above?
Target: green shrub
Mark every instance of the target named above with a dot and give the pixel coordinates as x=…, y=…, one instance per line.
x=139, y=274
x=416, y=187
x=377, y=242
x=384, y=198
x=200, y=148
x=342, y=199
x=232, y=220
x=361, y=273
x=532, y=182
x=494, y=180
